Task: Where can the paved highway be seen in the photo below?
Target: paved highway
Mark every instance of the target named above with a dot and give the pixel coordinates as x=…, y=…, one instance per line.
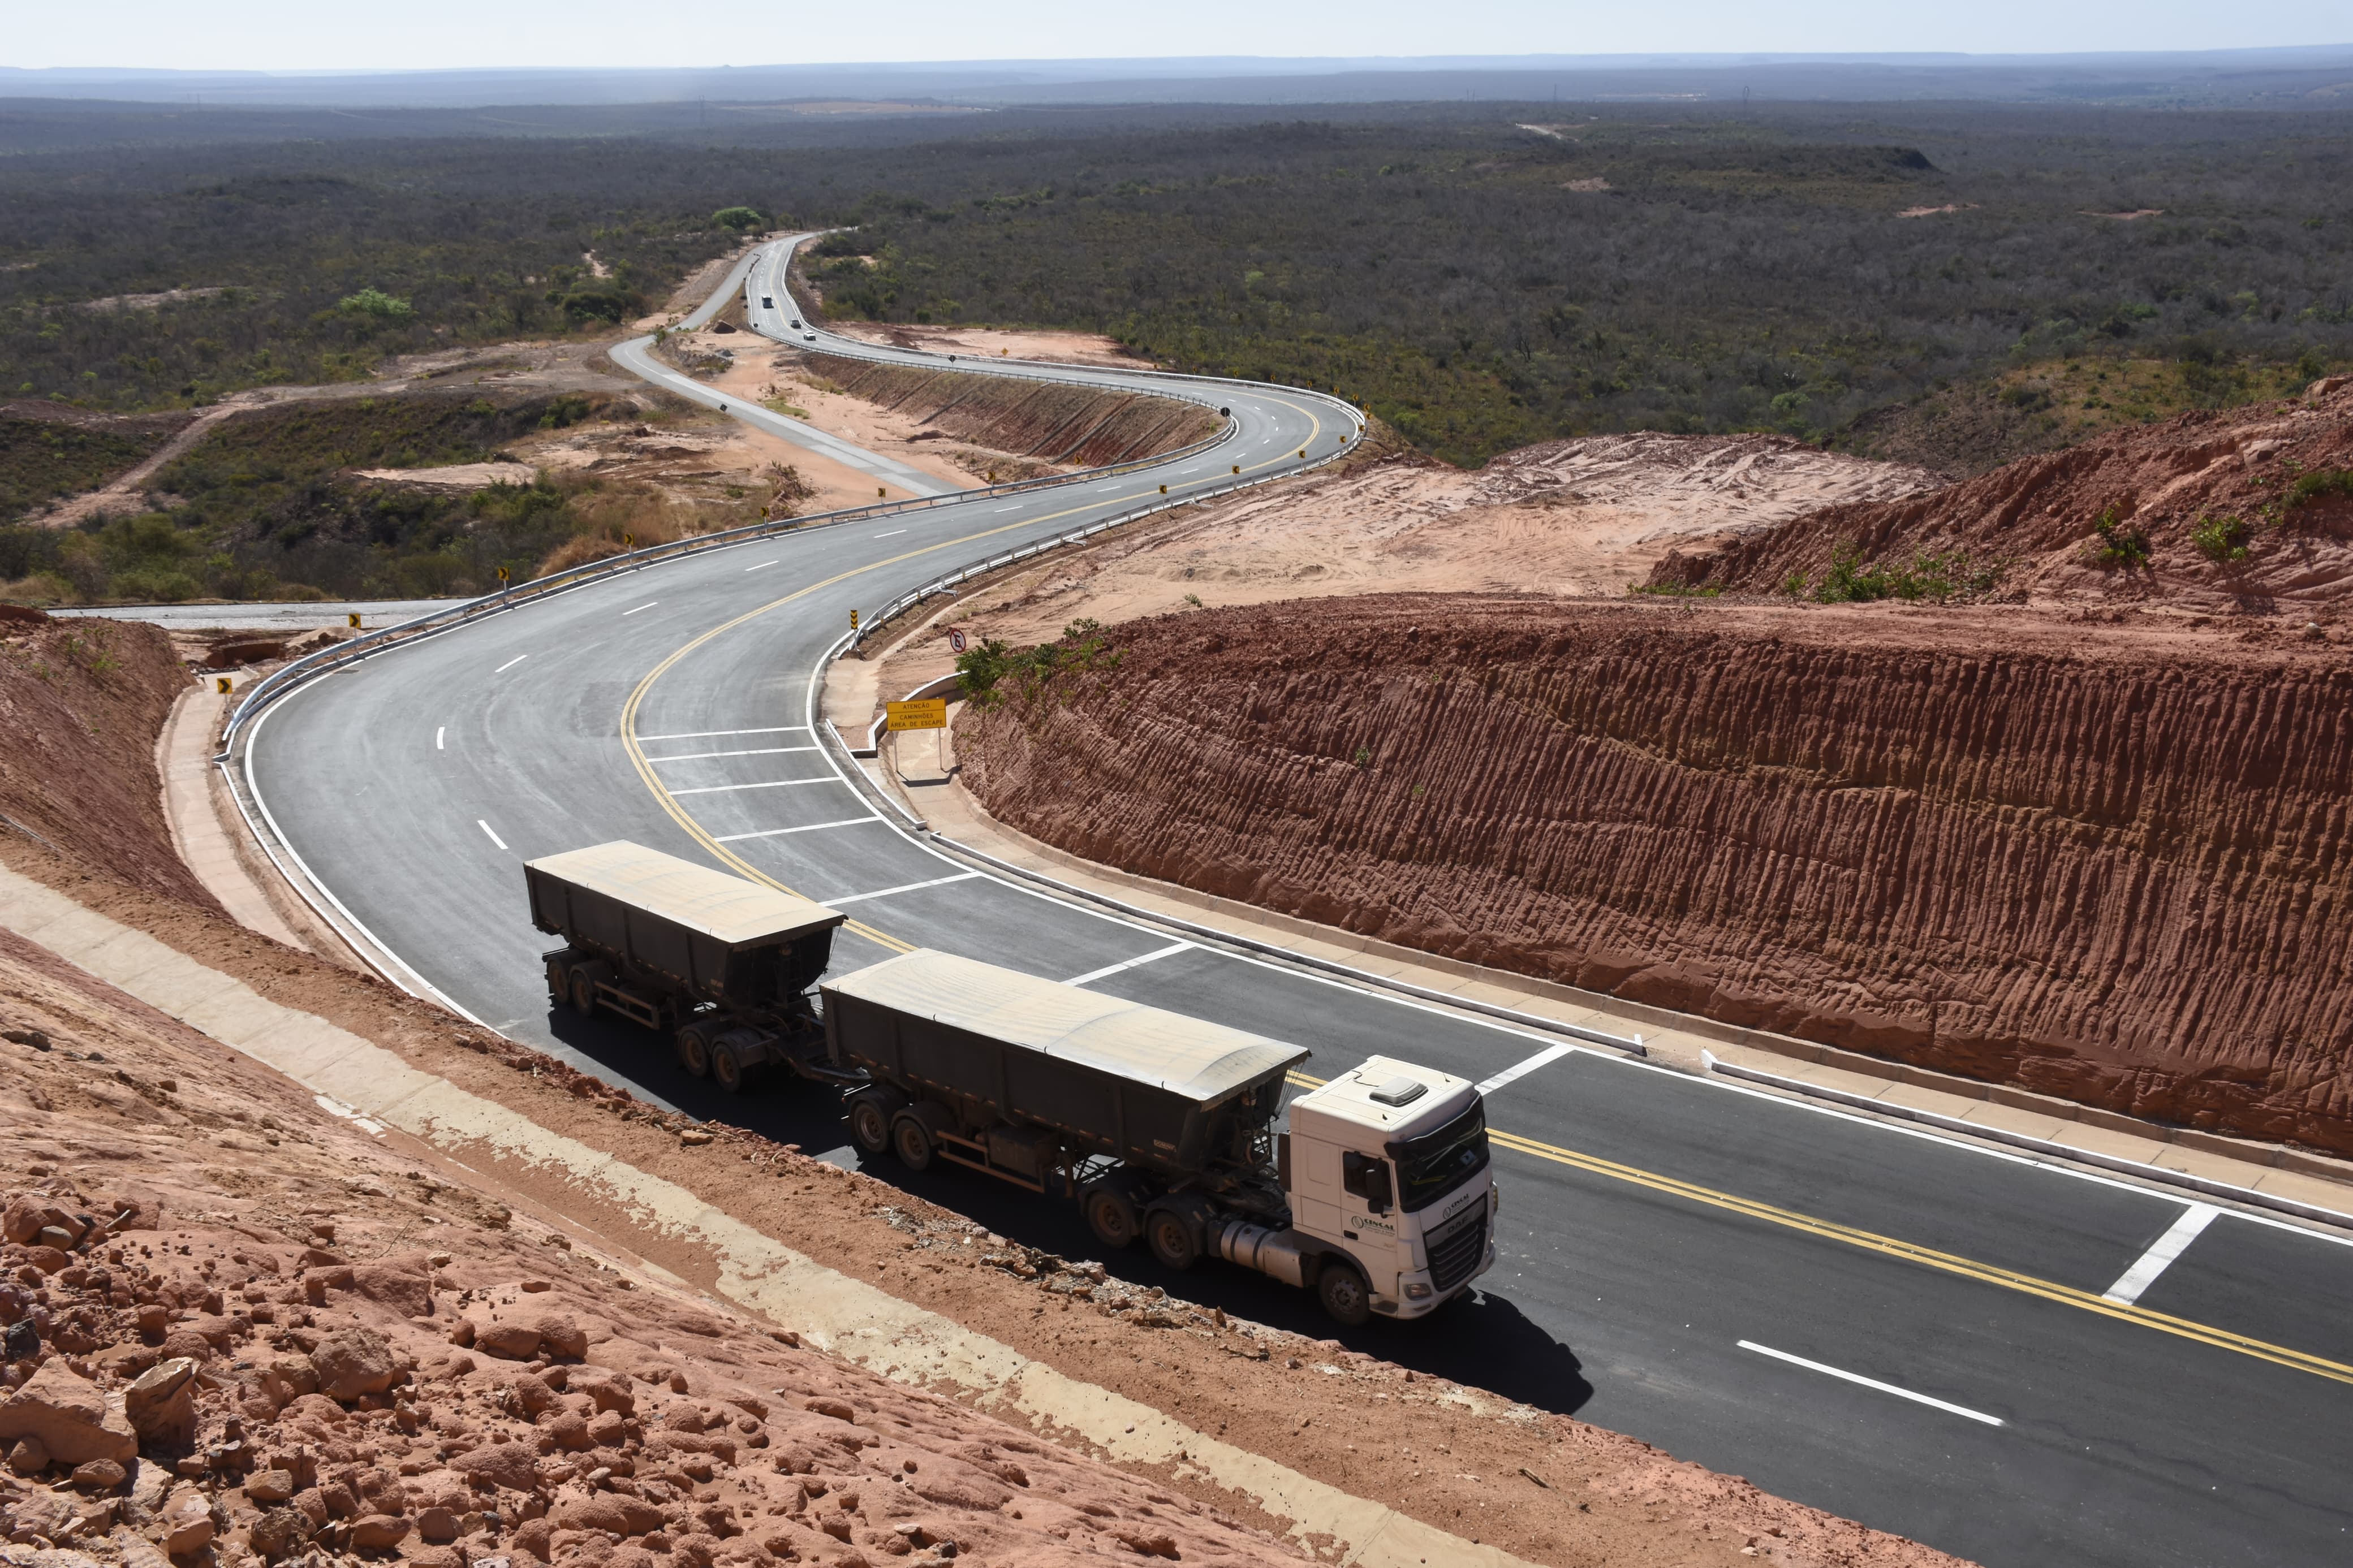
x=2020, y=1364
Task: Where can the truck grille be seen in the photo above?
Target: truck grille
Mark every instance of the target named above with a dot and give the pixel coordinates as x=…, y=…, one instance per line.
x=1456, y=1247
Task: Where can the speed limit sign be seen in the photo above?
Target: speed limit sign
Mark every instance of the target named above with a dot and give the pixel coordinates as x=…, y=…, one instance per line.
x=956, y=641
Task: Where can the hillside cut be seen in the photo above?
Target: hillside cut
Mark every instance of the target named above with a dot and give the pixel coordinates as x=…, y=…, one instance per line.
x=2114, y=870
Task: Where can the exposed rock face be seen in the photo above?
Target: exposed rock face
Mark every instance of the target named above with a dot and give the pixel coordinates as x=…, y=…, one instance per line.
x=2039, y=517
x=68, y=1417
x=2117, y=870
x=1035, y=419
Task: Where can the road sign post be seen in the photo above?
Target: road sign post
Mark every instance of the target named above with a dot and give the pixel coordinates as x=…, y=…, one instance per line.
x=956, y=642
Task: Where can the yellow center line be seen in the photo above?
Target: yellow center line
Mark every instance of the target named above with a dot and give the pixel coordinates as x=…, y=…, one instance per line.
x=678, y=814
x=1911, y=1252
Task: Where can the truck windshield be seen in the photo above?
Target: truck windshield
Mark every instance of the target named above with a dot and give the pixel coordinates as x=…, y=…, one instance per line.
x=1434, y=1164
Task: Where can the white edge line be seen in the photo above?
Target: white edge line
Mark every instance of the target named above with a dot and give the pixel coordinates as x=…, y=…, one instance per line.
x=1943, y=1404
x=649, y=604
x=309, y=879
x=1108, y=970
x=439, y=732
x=2185, y=1229
x=501, y=670
x=763, y=563
x=493, y=833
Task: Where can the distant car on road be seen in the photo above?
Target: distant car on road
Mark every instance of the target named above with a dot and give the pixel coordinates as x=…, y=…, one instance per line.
x=767, y=301
x=797, y=321
x=808, y=337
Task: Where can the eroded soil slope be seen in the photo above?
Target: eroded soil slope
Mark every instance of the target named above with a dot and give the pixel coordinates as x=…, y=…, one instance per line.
x=2252, y=508
x=2111, y=869
x=1051, y=423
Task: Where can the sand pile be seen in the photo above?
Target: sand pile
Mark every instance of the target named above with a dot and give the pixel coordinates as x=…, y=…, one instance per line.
x=2248, y=507
x=2111, y=869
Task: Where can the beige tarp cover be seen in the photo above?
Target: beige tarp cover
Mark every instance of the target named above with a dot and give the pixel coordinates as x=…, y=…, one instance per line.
x=712, y=902
x=1202, y=1061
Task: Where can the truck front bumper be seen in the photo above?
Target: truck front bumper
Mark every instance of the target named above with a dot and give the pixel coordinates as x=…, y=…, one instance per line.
x=1416, y=1297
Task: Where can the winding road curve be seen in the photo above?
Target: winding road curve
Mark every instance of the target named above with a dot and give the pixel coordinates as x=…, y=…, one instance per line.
x=2022, y=1364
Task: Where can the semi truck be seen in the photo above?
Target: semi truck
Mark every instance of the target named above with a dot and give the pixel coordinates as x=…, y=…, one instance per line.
x=722, y=965
x=1378, y=1197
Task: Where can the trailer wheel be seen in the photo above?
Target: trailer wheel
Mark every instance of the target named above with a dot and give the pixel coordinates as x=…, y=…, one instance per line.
x=1111, y=1214
x=911, y=1141
x=695, y=1050
x=727, y=1069
x=869, y=1124
x=559, y=981
x=1346, y=1298
x=1172, y=1239
x=583, y=992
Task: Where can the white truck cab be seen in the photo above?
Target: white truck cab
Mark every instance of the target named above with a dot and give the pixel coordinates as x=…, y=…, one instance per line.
x=1388, y=1164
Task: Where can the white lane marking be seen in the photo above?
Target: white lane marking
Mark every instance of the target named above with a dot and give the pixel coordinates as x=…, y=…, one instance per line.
x=763, y=563
x=2161, y=1253
x=904, y=888
x=773, y=784
x=1521, y=1070
x=892, y=534
x=780, y=832
x=494, y=837
x=1092, y=975
x=1871, y=1382
x=649, y=604
x=439, y=731
x=714, y=734
x=751, y=751
x=511, y=664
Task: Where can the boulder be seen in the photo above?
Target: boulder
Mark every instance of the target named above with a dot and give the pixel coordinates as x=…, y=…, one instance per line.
x=27, y=1457
x=30, y=1214
x=187, y=1522
x=70, y=1417
x=439, y=1526
x=378, y=1531
x=508, y=1341
x=160, y=1404
x=271, y=1487
x=353, y=1363
x=408, y=1291
x=608, y=1512
x=510, y=1465
x=561, y=1336
x=280, y=1533
x=99, y=1476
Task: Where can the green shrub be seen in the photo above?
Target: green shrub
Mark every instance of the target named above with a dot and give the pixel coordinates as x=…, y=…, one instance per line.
x=377, y=307
x=1937, y=574
x=742, y=220
x=2118, y=546
x=2318, y=484
x=2223, y=538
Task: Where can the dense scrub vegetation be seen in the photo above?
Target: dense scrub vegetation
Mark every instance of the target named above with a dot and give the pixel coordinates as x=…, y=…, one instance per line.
x=46, y=453
x=267, y=510
x=1477, y=283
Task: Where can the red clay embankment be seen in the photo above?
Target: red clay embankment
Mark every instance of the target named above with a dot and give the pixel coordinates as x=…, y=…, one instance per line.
x=2114, y=869
x=1045, y=420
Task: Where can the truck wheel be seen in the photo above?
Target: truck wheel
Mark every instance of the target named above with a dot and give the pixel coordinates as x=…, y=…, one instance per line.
x=727, y=1069
x=695, y=1050
x=1170, y=1236
x=1111, y=1214
x=911, y=1141
x=583, y=992
x=869, y=1128
x=1346, y=1296
x=559, y=982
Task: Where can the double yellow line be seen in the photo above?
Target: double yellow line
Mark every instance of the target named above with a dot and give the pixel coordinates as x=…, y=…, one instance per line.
x=1911, y=1252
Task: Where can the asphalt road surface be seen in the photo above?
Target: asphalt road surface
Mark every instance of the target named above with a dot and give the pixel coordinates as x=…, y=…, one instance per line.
x=2020, y=1364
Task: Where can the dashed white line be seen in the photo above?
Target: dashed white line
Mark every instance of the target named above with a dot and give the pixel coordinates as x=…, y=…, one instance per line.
x=494, y=837
x=649, y=604
x=763, y=563
x=892, y=534
x=511, y=664
x=780, y=832
x=714, y=734
x=752, y=752
x=2176, y=1240
x=773, y=784
x=902, y=887
x=1108, y=970
x=437, y=733
x=1873, y=1382
x=1521, y=1070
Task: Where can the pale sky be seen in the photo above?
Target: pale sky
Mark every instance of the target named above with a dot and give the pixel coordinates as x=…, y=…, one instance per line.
x=309, y=35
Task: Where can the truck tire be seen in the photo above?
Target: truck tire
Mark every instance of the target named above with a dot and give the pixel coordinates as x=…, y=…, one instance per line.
x=913, y=1141
x=1111, y=1214
x=559, y=982
x=869, y=1124
x=1171, y=1234
x=695, y=1050
x=583, y=991
x=727, y=1069
x=1346, y=1299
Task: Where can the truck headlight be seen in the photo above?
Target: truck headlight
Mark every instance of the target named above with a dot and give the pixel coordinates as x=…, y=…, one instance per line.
x=1416, y=1292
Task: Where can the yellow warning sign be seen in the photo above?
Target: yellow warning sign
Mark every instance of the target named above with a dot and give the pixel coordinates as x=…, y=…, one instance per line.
x=930, y=713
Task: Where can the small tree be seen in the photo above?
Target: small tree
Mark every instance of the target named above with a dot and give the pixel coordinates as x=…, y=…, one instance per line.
x=375, y=307
x=741, y=220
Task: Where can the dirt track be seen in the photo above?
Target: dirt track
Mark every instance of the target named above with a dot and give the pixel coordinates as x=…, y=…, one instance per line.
x=2106, y=866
